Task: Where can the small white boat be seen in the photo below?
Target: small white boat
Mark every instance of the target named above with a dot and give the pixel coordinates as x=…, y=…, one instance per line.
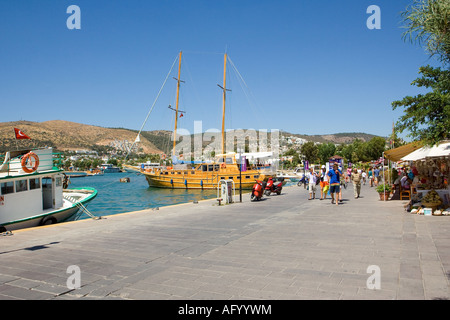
x=109, y=168
x=32, y=191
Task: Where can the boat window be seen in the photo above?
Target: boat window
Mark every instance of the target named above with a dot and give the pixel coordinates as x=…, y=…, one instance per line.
x=216, y=167
x=46, y=183
x=230, y=178
x=179, y=172
x=222, y=178
x=167, y=172
x=204, y=167
x=21, y=185
x=172, y=172
x=210, y=167
x=185, y=172
x=58, y=182
x=35, y=184
x=229, y=161
x=238, y=177
x=256, y=176
x=247, y=177
x=192, y=172
x=7, y=187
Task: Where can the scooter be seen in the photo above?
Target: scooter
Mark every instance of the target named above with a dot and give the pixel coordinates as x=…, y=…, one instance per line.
x=273, y=187
x=304, y=180
x=257, y=191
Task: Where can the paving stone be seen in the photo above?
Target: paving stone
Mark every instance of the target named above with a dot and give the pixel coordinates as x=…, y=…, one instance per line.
x=284, y=247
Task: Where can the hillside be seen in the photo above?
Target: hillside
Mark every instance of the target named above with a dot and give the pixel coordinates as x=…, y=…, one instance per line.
x=336, y=138
x=65, y=135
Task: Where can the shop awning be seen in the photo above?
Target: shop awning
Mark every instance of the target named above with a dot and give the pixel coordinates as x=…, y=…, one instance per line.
x=441, y=150
x=398, y=153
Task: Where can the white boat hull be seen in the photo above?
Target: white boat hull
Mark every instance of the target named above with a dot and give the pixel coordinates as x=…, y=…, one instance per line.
x=66, y=213
x=44, y=219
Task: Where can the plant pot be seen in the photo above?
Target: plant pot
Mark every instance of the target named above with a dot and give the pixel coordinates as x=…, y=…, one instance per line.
x=384, y=195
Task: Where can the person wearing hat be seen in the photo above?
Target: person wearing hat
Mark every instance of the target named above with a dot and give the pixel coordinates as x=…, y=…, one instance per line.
x=323, y=183
x=335, y=183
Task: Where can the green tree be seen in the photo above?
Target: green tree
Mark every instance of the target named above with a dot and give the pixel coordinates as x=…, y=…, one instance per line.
x=427, y=116
x=113, y=161
x=427, y=23
x=295, y=156
x=310, y=151
x=326, y=151
x=375, y=148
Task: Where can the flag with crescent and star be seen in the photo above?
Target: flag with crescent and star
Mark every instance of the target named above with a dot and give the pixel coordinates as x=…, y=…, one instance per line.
x=20, y=135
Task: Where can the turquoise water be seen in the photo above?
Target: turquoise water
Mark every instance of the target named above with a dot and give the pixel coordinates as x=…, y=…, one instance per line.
x=118, y=197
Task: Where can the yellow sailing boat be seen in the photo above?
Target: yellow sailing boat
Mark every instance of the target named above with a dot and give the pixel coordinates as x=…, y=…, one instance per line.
x=208, y=174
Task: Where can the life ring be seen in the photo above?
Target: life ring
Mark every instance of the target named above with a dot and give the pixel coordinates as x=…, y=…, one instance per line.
x=27, y=158
x=223, y=165
x=163, y=156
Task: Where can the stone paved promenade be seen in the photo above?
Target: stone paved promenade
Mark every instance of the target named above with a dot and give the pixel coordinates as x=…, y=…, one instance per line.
x=284, y=247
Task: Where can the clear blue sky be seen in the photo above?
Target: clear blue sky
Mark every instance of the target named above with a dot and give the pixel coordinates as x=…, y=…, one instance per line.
x=311, y=67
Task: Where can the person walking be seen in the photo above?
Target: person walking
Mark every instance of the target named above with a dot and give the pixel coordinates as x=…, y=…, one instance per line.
x=312, y=176
x=370, y=174
x=376, y=173
x=356, y=180
x=349, y=173
x=323, y=183
x=335, y=182
x=364, y=176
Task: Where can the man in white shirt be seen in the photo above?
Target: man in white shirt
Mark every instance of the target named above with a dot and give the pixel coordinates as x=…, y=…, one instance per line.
x=312, y=176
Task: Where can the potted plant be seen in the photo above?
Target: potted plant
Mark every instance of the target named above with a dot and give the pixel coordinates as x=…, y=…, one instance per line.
x=384, y=190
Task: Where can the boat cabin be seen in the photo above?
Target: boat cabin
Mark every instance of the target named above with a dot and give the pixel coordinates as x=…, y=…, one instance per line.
x=23, y=192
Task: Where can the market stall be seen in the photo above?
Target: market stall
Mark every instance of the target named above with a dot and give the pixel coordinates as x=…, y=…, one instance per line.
x=430, y=173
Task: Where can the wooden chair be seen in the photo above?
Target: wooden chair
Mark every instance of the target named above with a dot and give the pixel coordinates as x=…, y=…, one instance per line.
x=405, y=194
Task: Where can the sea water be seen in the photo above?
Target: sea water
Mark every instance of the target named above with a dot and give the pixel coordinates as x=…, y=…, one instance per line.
x=119, y=197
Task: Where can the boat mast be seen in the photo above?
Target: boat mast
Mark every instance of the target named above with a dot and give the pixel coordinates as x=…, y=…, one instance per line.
x=176, y=111
x=224, y=88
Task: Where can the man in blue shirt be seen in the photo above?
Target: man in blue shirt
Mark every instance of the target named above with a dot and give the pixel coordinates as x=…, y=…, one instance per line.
x=335, y=182
x=376, y=173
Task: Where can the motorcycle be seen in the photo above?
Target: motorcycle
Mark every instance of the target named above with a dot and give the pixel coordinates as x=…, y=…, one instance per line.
x=257, y=191
x=304, y=180
x=273, y=187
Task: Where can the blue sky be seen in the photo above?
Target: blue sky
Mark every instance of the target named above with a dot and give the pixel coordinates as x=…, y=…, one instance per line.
x=311, y=67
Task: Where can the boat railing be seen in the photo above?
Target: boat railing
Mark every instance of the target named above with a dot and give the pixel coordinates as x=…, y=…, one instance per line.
x=48, y=160
x=76, y=202
x=71, y=199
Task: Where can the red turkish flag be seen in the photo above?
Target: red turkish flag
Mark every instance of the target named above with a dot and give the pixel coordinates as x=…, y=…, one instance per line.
x=20, y=134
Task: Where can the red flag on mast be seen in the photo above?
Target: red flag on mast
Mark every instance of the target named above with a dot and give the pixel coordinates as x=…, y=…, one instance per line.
x=20, y=135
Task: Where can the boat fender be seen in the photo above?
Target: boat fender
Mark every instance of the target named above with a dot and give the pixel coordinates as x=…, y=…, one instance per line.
x=185, y=182
x=201, y=183
x=25, y=161
x=171, y=181
x=48, y=221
